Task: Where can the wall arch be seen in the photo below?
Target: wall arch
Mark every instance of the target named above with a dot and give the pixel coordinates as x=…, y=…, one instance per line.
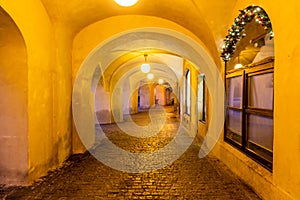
x=43, y=71
x=13, y=103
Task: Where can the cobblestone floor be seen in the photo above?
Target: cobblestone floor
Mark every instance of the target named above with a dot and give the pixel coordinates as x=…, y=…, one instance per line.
x=84, y=177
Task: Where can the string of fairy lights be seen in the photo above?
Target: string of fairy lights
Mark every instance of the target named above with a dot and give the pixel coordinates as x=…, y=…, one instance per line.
x=237, y=30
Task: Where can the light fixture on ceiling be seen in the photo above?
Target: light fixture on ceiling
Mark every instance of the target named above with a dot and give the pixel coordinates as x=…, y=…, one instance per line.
x=145, y=67
x=126, y=3
x=238, y=65
x=160, y=81
x=150, y=76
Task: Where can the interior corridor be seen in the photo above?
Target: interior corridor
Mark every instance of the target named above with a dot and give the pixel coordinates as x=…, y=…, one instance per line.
x=136, y=99
x=84, y=177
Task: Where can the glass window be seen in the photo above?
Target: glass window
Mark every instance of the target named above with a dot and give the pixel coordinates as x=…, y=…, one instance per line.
x=201, y=98
x=188, y=92
x=235, y=92
x=260, y=131
x=261, y=91
x=249, y=124
x=234, y=125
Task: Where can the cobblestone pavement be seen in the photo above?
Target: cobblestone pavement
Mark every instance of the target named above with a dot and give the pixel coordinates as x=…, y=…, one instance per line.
x=84, y=177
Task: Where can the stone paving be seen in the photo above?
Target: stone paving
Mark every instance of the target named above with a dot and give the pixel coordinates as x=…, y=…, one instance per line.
x=83, y=177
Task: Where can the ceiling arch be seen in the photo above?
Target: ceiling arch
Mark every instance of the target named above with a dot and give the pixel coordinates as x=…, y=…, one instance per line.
x=206, y=20
x=133, y=74
x=160, y=62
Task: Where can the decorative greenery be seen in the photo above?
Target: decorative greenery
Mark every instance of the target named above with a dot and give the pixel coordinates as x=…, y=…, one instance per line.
x=237, y=30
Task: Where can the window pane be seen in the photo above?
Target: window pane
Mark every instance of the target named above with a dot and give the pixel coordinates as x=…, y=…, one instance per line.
x=188, y=93
x=260, y=130
x=234, y=125
x=201, y=97
x=235, y=91
x=260, y=135
x=261, y=91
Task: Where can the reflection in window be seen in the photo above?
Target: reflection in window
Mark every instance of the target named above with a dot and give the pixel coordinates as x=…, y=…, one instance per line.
x=261, y=91
x=234, y=126
x=260, y=131
x=235, y=92
x=201, y=98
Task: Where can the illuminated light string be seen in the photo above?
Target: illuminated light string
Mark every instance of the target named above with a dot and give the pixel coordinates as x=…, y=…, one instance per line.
x=237, y=30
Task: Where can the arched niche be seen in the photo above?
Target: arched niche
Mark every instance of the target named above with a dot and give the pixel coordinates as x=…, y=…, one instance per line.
x=13, y=103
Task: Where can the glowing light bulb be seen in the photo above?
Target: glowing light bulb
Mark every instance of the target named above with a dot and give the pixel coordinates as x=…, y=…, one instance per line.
x=126, y=3
x=160, y=81
x=145, y=68
x=150, y=76
x=237, y=66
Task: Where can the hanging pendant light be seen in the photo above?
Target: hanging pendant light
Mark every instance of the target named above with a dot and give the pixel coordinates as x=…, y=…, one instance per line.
x=145, y=67
x=160, y=81
x=126, y=3
x=238, y=65
x=150, y=76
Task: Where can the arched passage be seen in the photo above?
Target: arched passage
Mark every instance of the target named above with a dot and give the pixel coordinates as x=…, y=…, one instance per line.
x=136, y=88
x=165, y=39
x=13, y=103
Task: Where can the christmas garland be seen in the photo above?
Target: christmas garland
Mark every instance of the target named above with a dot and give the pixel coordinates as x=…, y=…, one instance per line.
x=237, y=30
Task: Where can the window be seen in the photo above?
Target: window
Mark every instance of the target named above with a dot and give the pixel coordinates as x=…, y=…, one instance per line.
x=188, y=92
x=201, y=98
x=249, y=120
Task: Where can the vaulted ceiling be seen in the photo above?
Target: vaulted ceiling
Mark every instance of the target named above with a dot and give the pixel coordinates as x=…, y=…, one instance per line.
x=207, y=20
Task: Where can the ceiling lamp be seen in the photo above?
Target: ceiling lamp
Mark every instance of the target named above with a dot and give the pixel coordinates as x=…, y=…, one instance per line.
x=145, y=67
x=150, y=76
x=237, y=66
x=160, y=81
x=126, y=3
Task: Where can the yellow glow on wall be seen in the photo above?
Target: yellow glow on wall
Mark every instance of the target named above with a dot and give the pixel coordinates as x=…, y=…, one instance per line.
x=126, y=3
x=160, y=81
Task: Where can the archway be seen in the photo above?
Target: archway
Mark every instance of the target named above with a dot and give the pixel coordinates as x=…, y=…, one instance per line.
x=13, y=103
x=158, y=38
